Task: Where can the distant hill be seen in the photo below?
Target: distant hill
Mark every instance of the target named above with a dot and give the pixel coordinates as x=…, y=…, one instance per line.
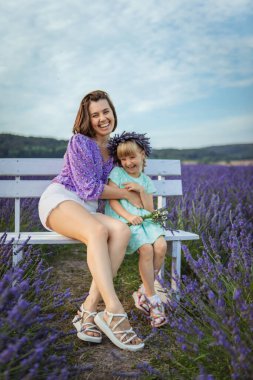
x=212, y=154
x=26, y=147
x=20, y=146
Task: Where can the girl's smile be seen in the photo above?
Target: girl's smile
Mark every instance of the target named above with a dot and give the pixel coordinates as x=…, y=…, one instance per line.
x=133, y=163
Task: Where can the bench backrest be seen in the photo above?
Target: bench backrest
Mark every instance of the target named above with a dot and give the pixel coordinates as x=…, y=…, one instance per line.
x=18, y=187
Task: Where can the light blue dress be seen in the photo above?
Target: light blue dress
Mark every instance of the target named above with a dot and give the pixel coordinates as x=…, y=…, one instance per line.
x=147, y=232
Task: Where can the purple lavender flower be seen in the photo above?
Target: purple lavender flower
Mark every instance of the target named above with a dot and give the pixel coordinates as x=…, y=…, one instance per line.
x=26, y=343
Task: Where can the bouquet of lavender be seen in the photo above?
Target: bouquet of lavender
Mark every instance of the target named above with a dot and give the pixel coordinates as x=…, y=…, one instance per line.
x=159, y=216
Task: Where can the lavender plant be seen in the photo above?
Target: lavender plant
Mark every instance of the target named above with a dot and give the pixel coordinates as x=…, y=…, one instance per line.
x=209, y=334
x=31, y=344
x=210, y=329
x=213, y=321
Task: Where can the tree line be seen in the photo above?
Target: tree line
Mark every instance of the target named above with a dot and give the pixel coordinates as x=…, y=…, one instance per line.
x=25, y=147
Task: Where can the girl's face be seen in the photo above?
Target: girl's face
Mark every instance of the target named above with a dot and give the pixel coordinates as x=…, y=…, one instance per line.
x=133, y=163
x=101, y=117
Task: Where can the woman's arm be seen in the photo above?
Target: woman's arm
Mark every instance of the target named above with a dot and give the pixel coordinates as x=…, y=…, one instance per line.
x=147, y=199
x=114, y=192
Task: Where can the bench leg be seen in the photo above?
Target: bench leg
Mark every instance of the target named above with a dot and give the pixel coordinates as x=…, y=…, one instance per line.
x=176, y=265
x=16, y=254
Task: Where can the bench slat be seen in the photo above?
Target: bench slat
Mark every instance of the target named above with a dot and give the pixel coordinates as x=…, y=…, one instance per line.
x=22, y=189
x=163, y=167
x=52, y=166
x=34, y=188
x=30, y=166
x=47, y=237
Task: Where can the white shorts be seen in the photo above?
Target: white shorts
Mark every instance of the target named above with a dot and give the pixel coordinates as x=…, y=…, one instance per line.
x=55, y=194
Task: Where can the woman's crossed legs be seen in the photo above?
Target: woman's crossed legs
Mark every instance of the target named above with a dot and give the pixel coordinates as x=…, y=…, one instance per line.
x=106, y=241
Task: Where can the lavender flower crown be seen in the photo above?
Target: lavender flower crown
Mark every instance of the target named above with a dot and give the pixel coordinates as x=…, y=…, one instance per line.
x=139, y=138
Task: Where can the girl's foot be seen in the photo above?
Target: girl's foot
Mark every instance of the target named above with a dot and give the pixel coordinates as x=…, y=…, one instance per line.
x=141, y=301
x=157, y=312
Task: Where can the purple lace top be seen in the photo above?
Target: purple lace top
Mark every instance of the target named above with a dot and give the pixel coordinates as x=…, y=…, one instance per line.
x=84, y=171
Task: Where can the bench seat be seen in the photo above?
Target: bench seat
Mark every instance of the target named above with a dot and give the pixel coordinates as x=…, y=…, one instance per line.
x=54, y=238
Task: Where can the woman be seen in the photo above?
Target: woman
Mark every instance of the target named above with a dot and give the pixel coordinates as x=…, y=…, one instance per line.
x=68, y=206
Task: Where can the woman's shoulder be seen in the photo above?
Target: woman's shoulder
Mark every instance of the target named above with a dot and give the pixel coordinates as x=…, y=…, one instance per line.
x=79, y=137
x=81, y=141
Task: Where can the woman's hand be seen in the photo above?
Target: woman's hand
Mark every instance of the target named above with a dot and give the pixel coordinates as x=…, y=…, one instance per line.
x=132, y=186
x=134, y=219
x=134, y=198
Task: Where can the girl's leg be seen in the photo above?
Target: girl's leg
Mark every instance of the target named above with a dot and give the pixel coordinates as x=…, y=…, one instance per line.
x=72, y=220
x=160, y=249
x=146, y=268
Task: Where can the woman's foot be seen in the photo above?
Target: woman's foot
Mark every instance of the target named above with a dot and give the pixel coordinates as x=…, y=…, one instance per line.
x=118, y=329
x=84, y=324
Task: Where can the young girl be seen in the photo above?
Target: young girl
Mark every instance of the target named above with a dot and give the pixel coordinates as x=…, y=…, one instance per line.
x=129, y=150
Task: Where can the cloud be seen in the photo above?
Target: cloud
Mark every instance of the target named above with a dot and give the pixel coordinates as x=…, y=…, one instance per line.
x=149, y=57
x=222, y=131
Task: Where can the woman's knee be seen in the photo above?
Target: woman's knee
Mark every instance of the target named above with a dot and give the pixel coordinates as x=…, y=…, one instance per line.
x=99, y=231
x=122, y=230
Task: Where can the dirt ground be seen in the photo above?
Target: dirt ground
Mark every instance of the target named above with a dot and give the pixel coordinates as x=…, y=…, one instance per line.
x=101, y=361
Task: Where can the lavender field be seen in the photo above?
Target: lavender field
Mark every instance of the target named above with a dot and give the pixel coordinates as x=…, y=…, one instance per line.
x=209, y=334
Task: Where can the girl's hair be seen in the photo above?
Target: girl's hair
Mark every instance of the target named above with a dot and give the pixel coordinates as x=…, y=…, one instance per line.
x=82, y=123
x=128, y=148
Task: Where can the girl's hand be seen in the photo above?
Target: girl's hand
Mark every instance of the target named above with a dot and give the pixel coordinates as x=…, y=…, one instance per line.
x=134, y=198
x=132, y=186
x=134, y=219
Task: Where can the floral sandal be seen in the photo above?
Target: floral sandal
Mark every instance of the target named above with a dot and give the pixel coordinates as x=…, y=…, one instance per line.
x=141, y=302
x=111, y=332
x=157, y=314
x=82, y=326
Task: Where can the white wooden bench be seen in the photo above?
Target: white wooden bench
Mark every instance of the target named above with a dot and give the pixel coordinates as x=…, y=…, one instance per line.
x=18, y=188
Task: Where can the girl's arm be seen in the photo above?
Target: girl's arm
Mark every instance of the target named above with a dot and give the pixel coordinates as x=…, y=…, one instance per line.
x=121, y=211
x=147, y=199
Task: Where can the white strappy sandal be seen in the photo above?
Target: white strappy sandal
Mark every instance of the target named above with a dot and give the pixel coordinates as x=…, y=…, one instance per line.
x=82, y=326
x=140, y=301
x=111, y=333
x=157, y=314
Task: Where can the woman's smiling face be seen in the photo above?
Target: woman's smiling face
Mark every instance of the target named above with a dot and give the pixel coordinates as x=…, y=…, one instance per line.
x=101, y=117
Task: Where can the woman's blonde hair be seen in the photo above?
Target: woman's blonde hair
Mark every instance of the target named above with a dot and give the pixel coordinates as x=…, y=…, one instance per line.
x=82, y=123
x=128, y=148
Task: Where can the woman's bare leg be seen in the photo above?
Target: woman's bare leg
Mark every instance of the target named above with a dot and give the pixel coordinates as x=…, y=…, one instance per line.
x=119, y=235
x=72, y=220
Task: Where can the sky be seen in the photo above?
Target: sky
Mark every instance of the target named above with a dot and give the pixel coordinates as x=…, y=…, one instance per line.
x=179, y=70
